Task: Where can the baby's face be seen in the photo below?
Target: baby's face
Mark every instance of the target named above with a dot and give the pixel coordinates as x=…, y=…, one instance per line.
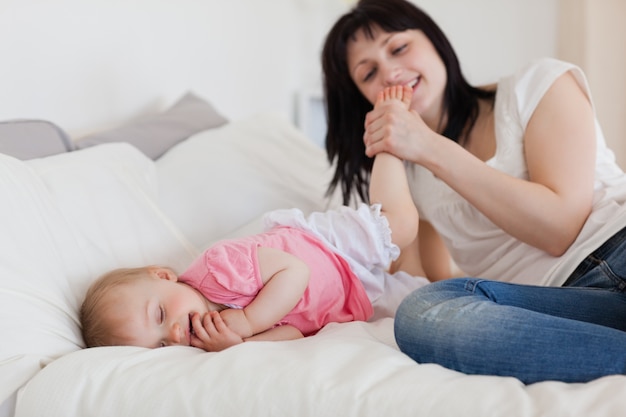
x=155, y=312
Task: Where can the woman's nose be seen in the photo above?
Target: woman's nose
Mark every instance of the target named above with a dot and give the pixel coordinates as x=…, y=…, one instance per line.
x=391, y=75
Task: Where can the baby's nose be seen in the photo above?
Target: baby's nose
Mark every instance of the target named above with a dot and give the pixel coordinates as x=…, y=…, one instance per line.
x=174, y=335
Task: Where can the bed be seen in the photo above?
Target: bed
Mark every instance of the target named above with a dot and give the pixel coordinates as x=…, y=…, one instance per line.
x=116, y=198
x=106, y=161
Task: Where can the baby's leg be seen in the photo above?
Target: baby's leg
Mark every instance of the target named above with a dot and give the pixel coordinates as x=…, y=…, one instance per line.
x=396, y=92
x=388, y=181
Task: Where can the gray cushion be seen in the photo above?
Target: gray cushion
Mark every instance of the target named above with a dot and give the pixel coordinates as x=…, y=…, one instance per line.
x=155, y=134
x=30, y=138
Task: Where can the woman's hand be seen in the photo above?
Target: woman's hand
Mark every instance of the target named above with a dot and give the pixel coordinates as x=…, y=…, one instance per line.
x=211, y=333
x=391, y=128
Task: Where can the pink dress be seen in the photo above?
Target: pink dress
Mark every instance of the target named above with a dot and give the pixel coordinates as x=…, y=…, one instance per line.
x=228, y=273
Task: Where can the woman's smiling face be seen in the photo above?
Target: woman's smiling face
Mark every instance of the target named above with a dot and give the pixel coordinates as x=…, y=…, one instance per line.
x=398, y=58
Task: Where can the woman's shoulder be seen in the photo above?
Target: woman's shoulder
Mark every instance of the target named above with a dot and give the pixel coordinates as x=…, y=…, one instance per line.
x=525, y=88
x=542, y=70
x=546, y=64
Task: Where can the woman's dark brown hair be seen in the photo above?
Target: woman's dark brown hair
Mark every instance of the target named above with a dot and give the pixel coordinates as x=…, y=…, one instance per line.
x=346, y=107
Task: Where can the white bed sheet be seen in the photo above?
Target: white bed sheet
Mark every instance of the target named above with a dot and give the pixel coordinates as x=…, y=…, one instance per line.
x=350, y=369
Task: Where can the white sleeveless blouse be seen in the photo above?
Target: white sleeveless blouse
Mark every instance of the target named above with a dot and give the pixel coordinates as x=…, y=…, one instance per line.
x=480, y=248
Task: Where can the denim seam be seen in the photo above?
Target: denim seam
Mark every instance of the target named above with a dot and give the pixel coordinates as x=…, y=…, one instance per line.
x=471, y=284
x=620, y=283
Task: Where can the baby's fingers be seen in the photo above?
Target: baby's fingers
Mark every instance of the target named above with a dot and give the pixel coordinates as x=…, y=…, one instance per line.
x=218, y=323
x=199, y=332
x=203, y=326
x=208, y=322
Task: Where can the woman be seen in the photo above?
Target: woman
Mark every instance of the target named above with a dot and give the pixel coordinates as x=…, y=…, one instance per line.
x=513, y=181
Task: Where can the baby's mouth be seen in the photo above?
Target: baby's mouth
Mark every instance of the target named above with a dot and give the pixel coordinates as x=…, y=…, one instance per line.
x=191, y=332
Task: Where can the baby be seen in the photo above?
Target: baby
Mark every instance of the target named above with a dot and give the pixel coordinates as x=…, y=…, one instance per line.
x=285, y=283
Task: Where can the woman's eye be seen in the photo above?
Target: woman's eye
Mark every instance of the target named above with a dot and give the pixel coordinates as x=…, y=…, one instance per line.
x=369, y=75
x=161, y=315
x=398, y=50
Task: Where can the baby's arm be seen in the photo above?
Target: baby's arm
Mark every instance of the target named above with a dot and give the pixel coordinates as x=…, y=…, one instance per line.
x=285, y=278
x=389, y=185
x=284, y=332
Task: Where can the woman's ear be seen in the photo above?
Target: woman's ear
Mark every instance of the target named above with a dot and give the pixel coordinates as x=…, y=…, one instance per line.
x=163, y=273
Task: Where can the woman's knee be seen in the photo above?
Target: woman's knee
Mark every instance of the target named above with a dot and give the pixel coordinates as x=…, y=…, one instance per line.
x=418, y=315
x=438, y=291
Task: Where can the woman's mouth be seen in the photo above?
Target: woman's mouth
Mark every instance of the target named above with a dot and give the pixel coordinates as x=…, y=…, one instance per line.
x=413, y=84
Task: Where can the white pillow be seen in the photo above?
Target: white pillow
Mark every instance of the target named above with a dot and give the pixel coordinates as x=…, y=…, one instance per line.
x=65, y=220
x=207, y=183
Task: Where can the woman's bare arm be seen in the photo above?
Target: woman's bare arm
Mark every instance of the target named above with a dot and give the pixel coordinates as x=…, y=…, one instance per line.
x=548, y=210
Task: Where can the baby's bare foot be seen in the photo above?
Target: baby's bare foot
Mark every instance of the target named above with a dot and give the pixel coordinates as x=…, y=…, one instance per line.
x=396, y=92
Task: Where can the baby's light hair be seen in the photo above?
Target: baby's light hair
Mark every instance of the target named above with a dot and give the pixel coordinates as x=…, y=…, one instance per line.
x=96, y=329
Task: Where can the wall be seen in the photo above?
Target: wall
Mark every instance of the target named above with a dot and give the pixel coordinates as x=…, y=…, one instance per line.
x=92, y=64
x=592, y=34
x=88, y=65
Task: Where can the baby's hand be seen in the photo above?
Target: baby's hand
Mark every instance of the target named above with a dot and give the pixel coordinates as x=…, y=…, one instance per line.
x=211, y=333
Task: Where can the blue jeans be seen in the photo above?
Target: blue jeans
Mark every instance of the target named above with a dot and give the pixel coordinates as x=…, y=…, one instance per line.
x=574, y=333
